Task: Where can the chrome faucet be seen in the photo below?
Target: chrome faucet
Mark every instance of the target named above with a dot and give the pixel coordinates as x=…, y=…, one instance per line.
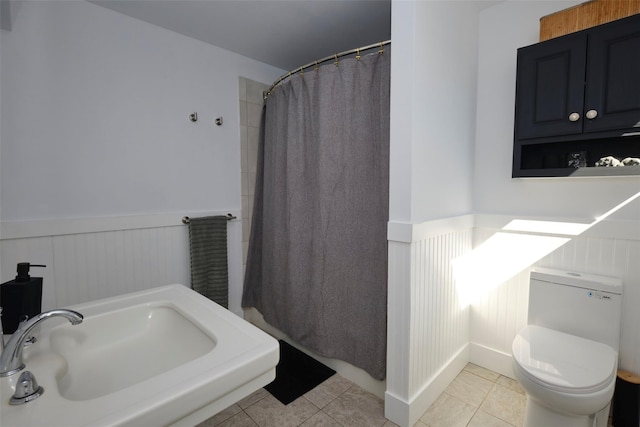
x=11, y=357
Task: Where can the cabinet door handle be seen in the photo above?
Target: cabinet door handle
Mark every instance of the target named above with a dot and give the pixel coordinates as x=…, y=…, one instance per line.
x=574, y=117
x=591, y=114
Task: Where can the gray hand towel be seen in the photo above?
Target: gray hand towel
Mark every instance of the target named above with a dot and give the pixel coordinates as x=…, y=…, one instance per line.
x=209, y=266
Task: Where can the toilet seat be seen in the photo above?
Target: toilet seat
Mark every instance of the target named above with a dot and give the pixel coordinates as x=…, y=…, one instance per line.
x=563, y=362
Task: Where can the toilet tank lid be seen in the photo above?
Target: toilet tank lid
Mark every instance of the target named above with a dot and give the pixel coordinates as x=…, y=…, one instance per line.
x=581, y=280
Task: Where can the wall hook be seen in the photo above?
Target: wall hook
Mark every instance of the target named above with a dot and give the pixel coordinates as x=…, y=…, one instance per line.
x=219, y=121
x=193, y=117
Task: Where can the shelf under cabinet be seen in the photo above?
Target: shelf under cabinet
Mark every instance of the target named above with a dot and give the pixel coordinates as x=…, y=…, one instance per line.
x=546, y=159
x=580, y=172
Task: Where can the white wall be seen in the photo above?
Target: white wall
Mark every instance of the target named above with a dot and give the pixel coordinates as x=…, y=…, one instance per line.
x=610, y=248
x=433, y=89
x=504, y=28
x=432, y=109
x=95, y=108
x=98, y=160
x=440, y=172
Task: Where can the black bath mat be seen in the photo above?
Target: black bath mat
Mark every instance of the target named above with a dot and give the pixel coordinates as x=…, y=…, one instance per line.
x=296, y=374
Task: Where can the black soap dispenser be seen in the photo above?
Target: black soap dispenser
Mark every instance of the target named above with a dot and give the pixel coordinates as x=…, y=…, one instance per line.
x=20, y=297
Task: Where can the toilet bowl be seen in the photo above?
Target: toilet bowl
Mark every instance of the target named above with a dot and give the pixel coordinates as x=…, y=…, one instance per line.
x=567, y=378
x=566, y=358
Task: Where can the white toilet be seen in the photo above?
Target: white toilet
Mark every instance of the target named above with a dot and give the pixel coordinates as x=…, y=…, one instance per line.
x=566, y=358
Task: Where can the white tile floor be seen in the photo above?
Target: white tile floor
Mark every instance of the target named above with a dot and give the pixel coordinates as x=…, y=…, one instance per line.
x=476, y=398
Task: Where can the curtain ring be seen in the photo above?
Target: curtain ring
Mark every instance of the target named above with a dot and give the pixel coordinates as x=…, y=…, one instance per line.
x=316, y=67
x=358, y=54
x=381, y=51
x=301, y=72
x=335, y=55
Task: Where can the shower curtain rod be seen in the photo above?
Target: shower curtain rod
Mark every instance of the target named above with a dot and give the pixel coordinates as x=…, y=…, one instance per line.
x=317, y=62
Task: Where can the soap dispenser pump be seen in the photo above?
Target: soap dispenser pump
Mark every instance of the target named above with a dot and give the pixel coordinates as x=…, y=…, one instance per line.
x=20, y=297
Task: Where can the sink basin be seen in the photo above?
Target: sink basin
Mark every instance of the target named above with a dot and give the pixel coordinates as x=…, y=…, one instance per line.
x=116, y=350
x=166, y=356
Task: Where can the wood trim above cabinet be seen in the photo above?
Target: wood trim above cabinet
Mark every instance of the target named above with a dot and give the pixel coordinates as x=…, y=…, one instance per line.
x=586, y=15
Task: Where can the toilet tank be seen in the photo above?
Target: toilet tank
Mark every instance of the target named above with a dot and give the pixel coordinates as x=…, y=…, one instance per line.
x=580, y=304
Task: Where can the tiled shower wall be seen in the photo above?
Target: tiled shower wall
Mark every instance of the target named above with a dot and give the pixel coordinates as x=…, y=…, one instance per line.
x=251, y=102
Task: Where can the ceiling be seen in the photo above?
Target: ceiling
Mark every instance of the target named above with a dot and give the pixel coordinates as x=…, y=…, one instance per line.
x=284, y=33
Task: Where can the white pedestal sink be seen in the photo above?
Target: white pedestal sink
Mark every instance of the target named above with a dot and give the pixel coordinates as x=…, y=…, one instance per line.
x=166, y=356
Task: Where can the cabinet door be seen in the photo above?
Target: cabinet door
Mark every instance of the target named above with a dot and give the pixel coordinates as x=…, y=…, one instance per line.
x=613, y=77
x=550, y=87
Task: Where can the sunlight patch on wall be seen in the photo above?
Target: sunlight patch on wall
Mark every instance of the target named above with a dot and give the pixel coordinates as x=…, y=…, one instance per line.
x=547, y=227
x=513, y=250
x=498, y=259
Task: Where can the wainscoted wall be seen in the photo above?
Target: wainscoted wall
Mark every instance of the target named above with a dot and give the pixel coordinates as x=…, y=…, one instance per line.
x=504, y=310
x=611, y=248
x=431, y=336
x=114, y=162
x=97, y=258
x=428, y=336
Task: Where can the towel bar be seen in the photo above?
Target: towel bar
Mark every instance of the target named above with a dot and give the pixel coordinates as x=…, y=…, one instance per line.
x=186, y=219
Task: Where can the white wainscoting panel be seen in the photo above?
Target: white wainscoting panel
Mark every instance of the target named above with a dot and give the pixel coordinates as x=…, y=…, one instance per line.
x=84, y=266
x=398, y=319
x=98, y=265
x=428, y=329
x=496, y=318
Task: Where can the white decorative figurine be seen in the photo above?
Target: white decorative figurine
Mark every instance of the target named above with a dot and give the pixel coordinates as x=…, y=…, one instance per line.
x=608, y=161
x=631, y=161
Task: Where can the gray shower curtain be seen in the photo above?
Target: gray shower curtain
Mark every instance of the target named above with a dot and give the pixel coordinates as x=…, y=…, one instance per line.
x=317, y=261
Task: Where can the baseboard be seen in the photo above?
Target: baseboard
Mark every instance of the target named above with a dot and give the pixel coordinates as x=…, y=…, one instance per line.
x=406, y=414
x=491, y=358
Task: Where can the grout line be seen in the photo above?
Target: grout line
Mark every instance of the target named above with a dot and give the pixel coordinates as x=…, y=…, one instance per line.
x=248, y=415
x=474, y=414
x=252, y=420
x=333, y=419
x=477, y=408
x=483, y=399
x=312, y=404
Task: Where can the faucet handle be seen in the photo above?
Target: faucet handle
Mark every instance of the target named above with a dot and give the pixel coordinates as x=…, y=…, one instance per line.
x=27, y=389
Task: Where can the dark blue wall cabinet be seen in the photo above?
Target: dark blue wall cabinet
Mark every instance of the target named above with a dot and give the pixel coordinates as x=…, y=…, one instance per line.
x=577, y=101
